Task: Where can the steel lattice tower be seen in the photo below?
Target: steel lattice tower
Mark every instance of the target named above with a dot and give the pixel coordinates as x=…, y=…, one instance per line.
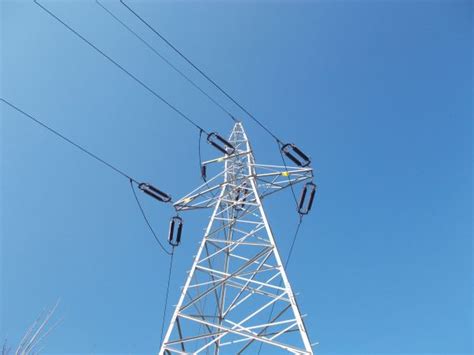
x=237, y=296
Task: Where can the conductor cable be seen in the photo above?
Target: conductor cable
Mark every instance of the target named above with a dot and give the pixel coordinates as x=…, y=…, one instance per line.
x=162, y=57
x=66, y=139
x=150, y=90
x=214, y=83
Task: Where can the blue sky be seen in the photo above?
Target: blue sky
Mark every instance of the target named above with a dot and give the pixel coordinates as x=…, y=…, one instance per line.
x=378, y=92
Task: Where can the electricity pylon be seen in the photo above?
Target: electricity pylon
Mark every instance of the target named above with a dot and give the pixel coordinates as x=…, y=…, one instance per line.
x=237, y=295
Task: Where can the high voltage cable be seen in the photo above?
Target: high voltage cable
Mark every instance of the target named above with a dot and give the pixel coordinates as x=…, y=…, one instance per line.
x=176, y=69
x=295, y=235
x=92, y=155
x=78, y=146
x=202, y=72
x=154, y=93
x=170, y=271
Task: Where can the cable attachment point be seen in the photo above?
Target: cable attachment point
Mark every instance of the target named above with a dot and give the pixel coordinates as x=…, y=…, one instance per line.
x=176, y=224
x=220, y=143
x=309, y=188
x=154, y=192
x=296, y=155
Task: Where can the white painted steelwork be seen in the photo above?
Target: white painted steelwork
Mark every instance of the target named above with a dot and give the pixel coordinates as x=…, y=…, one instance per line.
x=237, y=295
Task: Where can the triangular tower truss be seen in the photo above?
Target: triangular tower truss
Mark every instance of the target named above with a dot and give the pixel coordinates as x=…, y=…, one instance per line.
x=237, y=297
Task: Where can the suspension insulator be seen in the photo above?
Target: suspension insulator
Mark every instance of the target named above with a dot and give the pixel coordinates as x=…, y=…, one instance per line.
x=309, y=188
x=220, y=143
x=176, y=224
x=154, y=192
x=296, y=155
x=204, y=172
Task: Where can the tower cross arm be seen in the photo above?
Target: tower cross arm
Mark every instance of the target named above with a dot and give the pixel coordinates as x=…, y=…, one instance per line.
x=273, y=178
x=270, y=179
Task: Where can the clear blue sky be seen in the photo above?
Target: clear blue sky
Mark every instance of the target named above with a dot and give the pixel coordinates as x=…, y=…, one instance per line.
x=378, y=92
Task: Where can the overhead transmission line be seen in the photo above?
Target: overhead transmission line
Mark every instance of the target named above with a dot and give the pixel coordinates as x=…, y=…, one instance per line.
x=149, y=89
x=144, y=187
x=213, y=138
x=154, y=93
x=167, y=61
x=165, y=306
x=63, y=137
x=214, y=83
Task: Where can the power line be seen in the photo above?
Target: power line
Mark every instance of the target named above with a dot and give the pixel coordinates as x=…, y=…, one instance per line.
x=170, y=270
x=176, y=69
x=66, y=139
x=147, y=221
x=202, y=73
x=295, y=236
x=154, y=93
